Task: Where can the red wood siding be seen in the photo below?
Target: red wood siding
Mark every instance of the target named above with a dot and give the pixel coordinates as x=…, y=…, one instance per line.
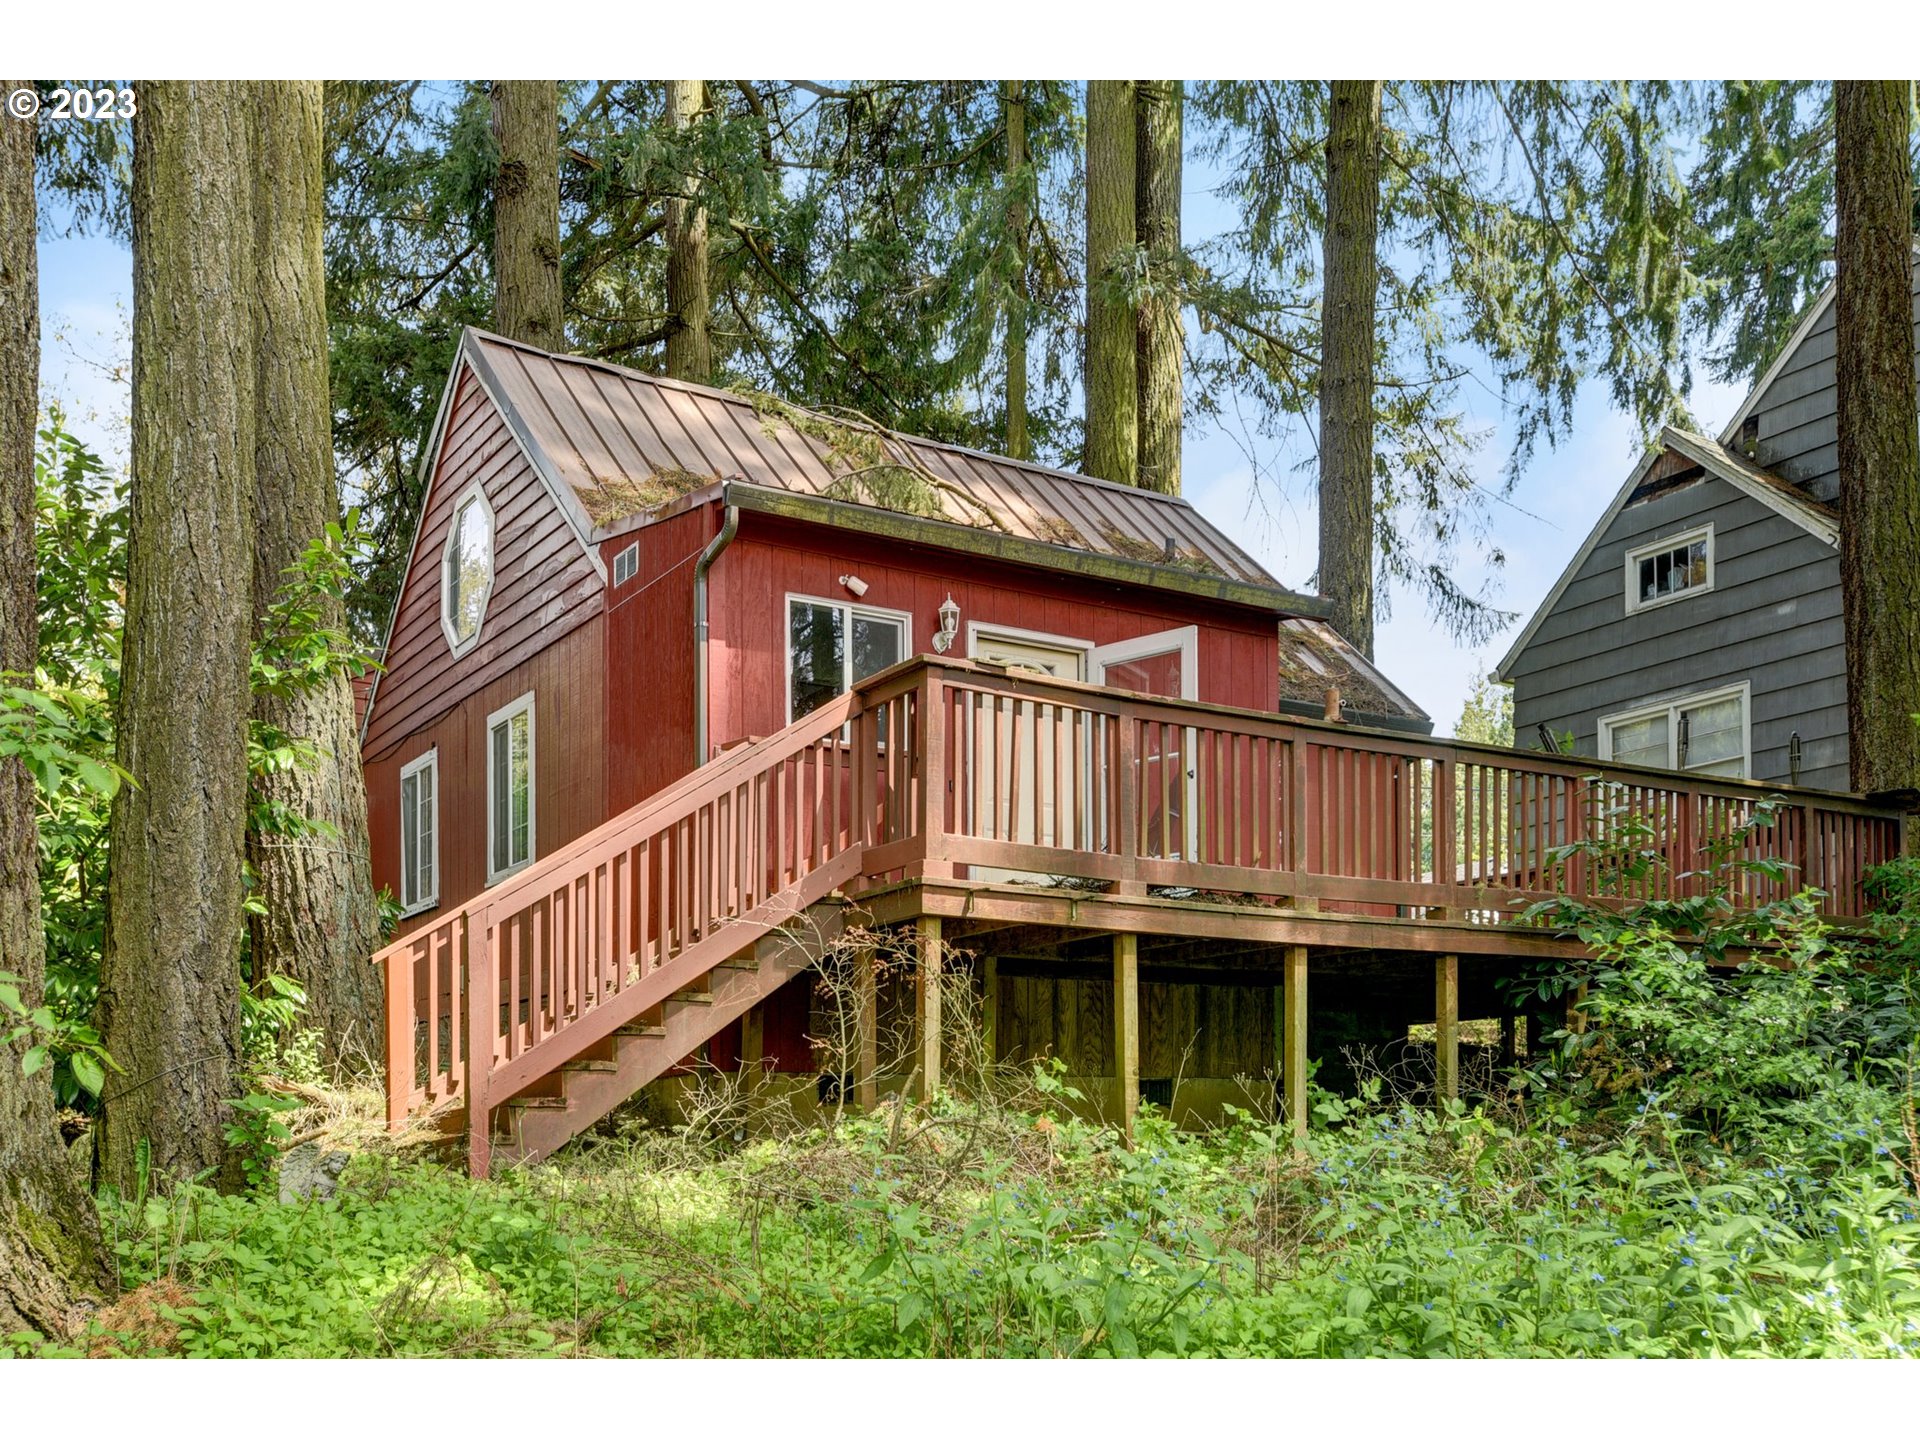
x=649, y=689
x=773, y=558
x=568, y=768
x=544, y=583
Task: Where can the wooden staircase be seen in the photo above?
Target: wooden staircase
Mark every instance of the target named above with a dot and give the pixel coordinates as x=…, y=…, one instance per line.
x=541, y=1119
x=534, y=1009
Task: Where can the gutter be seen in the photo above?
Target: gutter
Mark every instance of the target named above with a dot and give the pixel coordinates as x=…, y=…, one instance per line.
x=874, y=522
x=729, y=527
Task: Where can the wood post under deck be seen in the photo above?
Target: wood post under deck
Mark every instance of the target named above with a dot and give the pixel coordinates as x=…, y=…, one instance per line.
x=929, y=997
x=866, y=1064
x=1294, y=1042
x=753, y=1050
x=1126, y=1027
x=1446, y=1027
x=989, y=1008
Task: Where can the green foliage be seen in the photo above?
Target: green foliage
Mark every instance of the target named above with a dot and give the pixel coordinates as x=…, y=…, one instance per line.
x=303, y=644
x=51, y=1037
x=255, y=1133
x=62, y=725
x=1487, y=715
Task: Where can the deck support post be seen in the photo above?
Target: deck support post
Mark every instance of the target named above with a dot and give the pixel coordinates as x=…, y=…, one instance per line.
x=866, y=1059
x=483, y=1020
x=1446, y=1027
x=753, y=1047
x=1126, y=1028
x=929, y=997
x=1294, y=1042
x=1509, y=1047
x=989, y=1009
x=1576, y=1009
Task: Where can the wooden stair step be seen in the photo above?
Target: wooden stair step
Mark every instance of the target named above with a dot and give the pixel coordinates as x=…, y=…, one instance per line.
x=642, y=1032
x=537, y=1102
x=691, y=997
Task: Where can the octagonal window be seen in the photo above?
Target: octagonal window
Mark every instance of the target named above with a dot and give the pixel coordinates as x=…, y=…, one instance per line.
x=466, y=572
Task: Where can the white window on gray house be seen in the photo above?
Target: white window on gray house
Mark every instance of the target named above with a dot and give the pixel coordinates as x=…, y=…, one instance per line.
x=466, y=570
x=831, y=645
x=510, y=788
x=1706, y=734
x=420, y=833
x=1670, y=569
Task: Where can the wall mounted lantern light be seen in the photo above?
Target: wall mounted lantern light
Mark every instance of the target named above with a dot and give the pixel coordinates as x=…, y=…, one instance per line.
x=949, y=626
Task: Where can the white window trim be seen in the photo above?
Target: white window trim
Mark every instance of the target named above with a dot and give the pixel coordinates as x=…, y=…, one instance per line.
x=629, y=555
x=977, y=629
x=1672, y=708
x=1655, y=547
x=507, y=712
x=429, y=761
x=1184, y=638
x=473, y=492
x=905, y=617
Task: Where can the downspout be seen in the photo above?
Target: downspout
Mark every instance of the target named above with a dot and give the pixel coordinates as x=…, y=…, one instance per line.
x=729, y=527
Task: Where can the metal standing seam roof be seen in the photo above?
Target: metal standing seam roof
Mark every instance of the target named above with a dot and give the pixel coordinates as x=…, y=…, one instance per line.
x=613, y=435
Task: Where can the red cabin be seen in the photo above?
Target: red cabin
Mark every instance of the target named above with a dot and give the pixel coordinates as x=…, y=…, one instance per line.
x=667, y=658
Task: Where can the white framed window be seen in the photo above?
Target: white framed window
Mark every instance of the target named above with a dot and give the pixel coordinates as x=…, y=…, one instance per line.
x=1670, y=569
x=466, y=570
x=626, y=564
x=420, y=833
x=1707, y=734
x=831, y=644
x=510, y=788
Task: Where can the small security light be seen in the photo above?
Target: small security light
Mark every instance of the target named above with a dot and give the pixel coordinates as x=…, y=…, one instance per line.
x=949, y=625
x=855, y=584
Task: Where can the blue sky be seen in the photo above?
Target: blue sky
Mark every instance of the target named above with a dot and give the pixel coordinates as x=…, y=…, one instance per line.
x=86, y=293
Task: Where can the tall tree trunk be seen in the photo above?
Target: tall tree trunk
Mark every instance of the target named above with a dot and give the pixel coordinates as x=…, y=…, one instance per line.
x=1161, y=342
x=689, y=303
x=1112, y=397
x=527, y=304
x=320, y=924
x=1879, y=422
x=1014, y=105
x=169, y=988
x=50, y=1255
x=1351, y=278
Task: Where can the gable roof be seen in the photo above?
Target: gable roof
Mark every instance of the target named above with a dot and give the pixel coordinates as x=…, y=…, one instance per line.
x=621, y=444
x=1714, y=458
x=1801, y=330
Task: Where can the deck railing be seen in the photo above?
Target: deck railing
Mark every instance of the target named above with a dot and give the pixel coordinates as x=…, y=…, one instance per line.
x=944, y=769
x=1043, y=777
x=597, y=935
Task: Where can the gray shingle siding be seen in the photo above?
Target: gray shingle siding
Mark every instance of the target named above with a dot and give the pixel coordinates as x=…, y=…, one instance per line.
x=1796, y=412
x=1772, y=619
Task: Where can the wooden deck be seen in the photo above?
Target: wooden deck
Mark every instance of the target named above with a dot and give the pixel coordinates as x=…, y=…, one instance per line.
x=964, y=800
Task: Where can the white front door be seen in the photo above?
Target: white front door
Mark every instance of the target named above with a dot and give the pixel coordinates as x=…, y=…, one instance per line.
x=1166, y=663
x=1025, y=814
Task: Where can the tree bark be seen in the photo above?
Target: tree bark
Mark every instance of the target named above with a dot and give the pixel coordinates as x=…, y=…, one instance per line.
x=1112, y=450
x=689, y=303
x=321, y=923
x=527, y=303
x=169, y=991
x=1350, y=280
x=1014, y=105
x=1161, y=341
x=51, y=1261
x=1879, y=424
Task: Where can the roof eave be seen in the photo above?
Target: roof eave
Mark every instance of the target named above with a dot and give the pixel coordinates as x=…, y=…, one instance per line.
x=1015, y=549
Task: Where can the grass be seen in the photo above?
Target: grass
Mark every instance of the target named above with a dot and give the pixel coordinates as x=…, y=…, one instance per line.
x=1011, y=1228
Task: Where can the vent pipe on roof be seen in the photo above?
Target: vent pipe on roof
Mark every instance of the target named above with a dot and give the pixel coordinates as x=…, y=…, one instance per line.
x=729, y=527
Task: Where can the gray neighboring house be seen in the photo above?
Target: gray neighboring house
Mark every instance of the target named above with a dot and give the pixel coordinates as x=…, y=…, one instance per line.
x=1699, y=626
